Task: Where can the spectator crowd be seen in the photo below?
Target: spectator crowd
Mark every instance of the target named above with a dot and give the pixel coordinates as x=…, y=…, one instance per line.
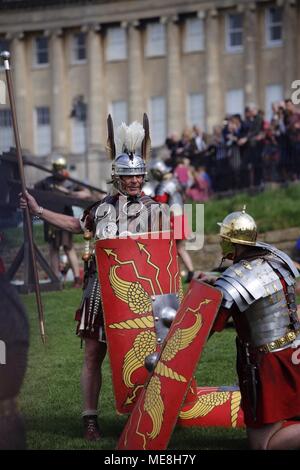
x=244, y=152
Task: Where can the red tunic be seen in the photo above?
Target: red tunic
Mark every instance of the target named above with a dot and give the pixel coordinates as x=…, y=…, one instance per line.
x=178, y=223
x=278, y=377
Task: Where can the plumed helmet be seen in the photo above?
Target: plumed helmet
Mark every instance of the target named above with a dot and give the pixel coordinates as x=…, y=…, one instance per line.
x=59, y=163
x=131, y=150
x=239, y=227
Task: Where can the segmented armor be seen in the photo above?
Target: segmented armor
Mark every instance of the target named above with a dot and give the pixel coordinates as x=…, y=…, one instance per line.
x=172, y=188
x=255, y=287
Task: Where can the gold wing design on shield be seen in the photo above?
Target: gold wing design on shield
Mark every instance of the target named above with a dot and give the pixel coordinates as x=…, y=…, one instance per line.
x=143, y=345
x=154, y=405
x=205, y=404
x=132, y=293
x=181, y=339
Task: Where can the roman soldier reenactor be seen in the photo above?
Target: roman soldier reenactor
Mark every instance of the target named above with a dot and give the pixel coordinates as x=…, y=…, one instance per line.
x=259, y=293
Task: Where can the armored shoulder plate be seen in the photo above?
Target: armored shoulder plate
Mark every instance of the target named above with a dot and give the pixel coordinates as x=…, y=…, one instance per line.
x=149, y=188
x=284, y=259
x=245, y=282
x=167, y=187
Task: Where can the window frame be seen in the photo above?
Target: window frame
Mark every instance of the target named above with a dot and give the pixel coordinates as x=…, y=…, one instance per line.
x=111, y=46
x=229, y=48
x=187, y=49
x=242, y=93
x=152, y=125
x=75, y=47
x=5, y=113
x=38, y=125
x=201, y=121
x=37, y=64
x=111, y=107
x=270, y=42
x=150, y=50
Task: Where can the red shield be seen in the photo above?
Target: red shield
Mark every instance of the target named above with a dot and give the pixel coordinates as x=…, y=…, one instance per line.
x=213, y=406
x=155, y=413
x=134, y=273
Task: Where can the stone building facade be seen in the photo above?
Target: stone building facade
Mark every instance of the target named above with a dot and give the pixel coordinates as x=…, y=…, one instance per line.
x=184, y=62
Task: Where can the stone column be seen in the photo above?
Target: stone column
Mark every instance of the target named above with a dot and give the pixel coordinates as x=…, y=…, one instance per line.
x=250, y=64
x=289, y=63
x=20, y=83
x=59, y=113
x=135, y=73
x=99, y=167
x=214, y=98
x=175, y=105
x=96, y=90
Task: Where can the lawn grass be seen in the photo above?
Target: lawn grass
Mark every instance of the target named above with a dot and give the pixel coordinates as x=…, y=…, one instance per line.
x=272, y=209
x=51, y=396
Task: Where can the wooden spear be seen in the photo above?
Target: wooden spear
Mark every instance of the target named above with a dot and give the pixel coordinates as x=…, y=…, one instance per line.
x=5, y=55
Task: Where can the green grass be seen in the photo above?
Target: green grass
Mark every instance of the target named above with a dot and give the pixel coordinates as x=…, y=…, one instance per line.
x=51, y=396
x=272, y=209
x=13, y=237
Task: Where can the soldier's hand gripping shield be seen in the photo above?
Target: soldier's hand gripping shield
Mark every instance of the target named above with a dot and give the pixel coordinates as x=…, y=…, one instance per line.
x=140, y=290
x=157, y=408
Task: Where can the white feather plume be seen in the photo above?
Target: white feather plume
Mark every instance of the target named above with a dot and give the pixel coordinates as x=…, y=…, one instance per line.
x=134, y=137
x=121, y=138
x=129, y=137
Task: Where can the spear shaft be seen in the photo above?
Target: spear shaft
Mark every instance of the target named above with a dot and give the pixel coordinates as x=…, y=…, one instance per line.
x=27, y=219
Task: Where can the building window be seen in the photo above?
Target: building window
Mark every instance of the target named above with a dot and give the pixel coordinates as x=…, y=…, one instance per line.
x=273, y=93
x=158, y=120
x=78, y=137
x=4, y=46
x=78, y=126
x=234, y=102
x=116, y=46
x=195, y=110
x=234, y=32
x=274, y=26
x=6, y=130
x=194, y=35
x=41, y=51
x=78, y=48
x=156, y=40
x=118, y=110
x=42, y=131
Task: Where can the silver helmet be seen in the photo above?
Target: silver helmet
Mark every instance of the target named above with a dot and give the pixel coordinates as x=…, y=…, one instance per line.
x=158, y=169
x=130, y=152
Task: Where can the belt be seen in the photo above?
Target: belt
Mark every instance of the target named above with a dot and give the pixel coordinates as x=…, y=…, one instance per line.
x=9, y=407
x=279, y=343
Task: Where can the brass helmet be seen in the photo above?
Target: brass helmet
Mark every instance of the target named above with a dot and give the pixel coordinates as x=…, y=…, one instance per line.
x=239, y=227
x=59, y=163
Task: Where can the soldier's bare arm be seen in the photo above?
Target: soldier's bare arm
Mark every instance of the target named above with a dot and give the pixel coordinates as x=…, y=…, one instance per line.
x=62, y=221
